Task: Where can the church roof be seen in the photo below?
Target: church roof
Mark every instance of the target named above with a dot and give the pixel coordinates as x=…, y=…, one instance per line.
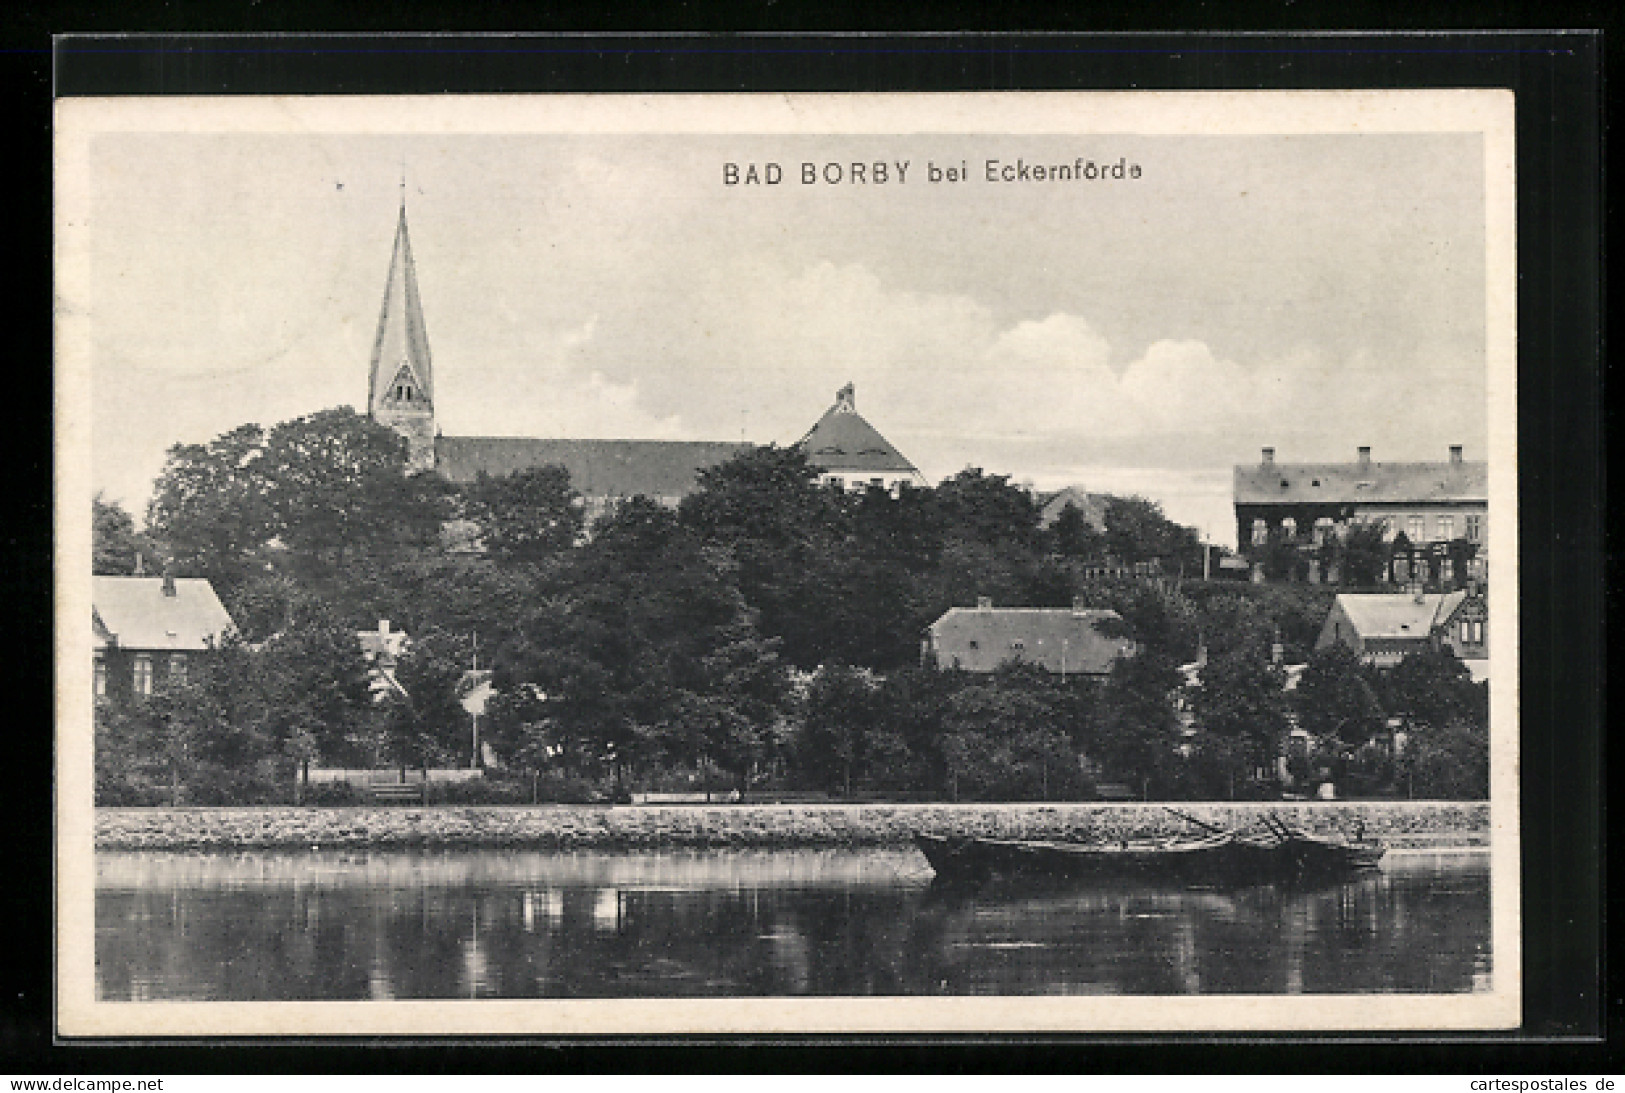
x=843, y=441
x=135, y=613
x=402, y=338
x=598, y=468
x=1357, y=483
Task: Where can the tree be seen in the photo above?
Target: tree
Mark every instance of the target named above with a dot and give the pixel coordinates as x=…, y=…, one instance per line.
x=1335, y=700
x=1074, y=536
x=335, y=486
x=1137, y=531
x=1002, y=741
x=1136, y=732
x=1364, y=555
x=1448, y=762
x=527, y=516
x=843, y=710
x=988, y=509
x=209, y=508
x=425, y=721
x=1241, y=703
x=1431, y=689
x=115, y=544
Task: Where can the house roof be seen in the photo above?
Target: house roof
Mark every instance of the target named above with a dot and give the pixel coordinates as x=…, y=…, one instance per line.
x=598, y=468
x=843, y=441
x=134, y=613
x=1398, y=614
x=1045, y=634
x=1091, y=506
x=1354, y=483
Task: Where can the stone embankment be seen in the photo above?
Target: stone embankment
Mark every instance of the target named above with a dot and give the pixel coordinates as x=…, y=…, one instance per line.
x=1396, y=824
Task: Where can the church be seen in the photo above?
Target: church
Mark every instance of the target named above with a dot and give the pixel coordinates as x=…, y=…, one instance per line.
x=848, y=451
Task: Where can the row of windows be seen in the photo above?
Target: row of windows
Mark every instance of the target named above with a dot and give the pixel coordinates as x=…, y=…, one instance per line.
x=141, y=676
x=1415, y=528
x=1472, y=631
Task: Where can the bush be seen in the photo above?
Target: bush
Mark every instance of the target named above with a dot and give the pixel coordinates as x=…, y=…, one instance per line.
x=487, y=790
x=335, y=795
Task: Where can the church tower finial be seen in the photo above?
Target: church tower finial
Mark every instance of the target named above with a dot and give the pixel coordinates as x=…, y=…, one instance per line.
x=400, y=385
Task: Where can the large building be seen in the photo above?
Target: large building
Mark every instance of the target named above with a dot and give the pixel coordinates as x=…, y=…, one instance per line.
x=400, y=393
x=1309, y=504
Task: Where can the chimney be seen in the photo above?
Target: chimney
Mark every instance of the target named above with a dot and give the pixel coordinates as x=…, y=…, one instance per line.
x=383, y=628
x=1277, y=650
x=1455, y=455
x=1365, y=455
x=140, y=565
x=1078, y=605
x=169, y=582
x=1269, y=457
x=984, y=603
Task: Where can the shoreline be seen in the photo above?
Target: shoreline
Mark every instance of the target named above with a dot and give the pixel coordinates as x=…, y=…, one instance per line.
x=1399, y=825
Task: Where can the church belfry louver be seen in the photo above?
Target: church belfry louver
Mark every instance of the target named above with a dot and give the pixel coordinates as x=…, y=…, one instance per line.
x=400, y=386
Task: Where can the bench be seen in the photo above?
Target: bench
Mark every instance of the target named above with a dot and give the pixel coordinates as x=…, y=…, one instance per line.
x=399, y=793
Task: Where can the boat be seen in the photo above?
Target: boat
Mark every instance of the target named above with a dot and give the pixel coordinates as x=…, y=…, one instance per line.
x=1278, y=853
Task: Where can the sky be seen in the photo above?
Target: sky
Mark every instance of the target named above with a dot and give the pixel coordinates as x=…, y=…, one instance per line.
x=1311, y=293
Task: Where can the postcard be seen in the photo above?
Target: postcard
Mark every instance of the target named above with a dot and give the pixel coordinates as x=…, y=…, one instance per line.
x=615, y=565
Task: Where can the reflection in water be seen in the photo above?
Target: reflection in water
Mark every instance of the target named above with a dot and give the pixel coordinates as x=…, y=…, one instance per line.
x=520, y=924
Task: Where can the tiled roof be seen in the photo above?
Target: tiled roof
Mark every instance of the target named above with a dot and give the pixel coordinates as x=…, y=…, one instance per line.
x=134, y=613
x=843, y=441
x=1047, y=636
x=598, y=468
x=1398, y=614
x=1352, y=483
x=401, y=334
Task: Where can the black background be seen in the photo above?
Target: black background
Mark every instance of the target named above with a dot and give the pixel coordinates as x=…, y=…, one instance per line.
x=1557, y=78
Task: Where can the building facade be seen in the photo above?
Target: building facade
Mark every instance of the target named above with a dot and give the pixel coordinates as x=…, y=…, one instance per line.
x=1434, y=517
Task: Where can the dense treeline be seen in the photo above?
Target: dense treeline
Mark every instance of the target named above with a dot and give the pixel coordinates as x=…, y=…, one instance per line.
x=765, y=634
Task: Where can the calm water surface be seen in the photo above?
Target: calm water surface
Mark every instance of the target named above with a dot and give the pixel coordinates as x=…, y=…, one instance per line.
x=521, y=924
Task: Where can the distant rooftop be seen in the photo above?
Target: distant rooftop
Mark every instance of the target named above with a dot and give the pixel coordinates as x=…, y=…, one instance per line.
x=843, y=441
x=135, y=613
x=1361, y=481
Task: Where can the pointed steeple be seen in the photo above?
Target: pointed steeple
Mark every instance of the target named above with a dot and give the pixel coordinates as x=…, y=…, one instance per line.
x=400, y=384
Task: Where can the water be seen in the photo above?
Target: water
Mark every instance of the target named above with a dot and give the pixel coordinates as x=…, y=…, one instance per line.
x=519, y=924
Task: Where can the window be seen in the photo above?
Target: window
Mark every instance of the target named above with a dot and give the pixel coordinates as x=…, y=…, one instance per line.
x=1323, y=530
x=880, y=482
x=142, y=680
x=1478, y=632
x=974, y=644
x=1474, y=529
x=1447, y=569
x=1447, y=528
x=99, y=678
x=1416, y=528
x=1261, y=532
x=177, y=669
x=1018, y=645
x=1289, y=527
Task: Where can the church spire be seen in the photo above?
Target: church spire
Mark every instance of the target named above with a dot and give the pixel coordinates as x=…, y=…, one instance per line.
x=400, y=385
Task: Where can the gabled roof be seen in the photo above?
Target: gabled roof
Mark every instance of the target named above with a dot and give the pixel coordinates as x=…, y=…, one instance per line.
x=1091, y=506
x=598, y=468
x=401, y=334
x=1354, y=483
x=134, y=613
x=1053, y=637
x=843, y=441
x=1398, y=614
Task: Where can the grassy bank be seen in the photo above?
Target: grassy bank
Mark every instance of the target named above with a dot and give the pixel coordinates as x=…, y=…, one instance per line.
x=1396, y=824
